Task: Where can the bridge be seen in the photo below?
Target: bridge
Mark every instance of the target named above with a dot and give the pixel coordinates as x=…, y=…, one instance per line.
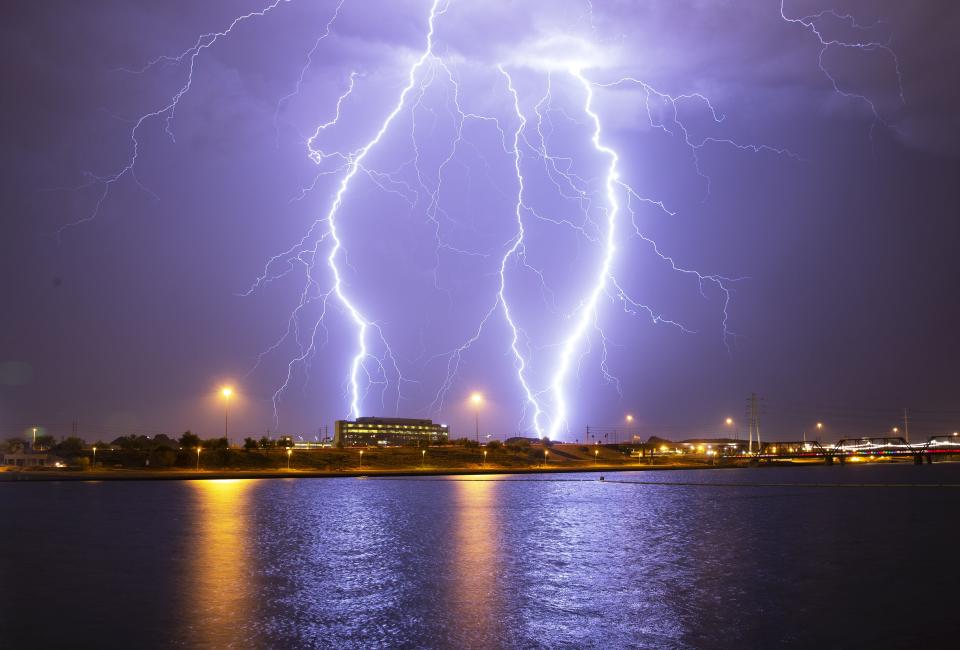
x=847, y=449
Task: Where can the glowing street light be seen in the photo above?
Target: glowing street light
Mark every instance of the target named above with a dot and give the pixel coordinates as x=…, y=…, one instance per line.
x=596, y=456
x=94, y=456
x=226, y=391
x=477, y=400
x=546, y=459
x=484, y=458
x=198, y=459
x=289, y=452
x=423, y=458
x=34, y=446
x=361, y=459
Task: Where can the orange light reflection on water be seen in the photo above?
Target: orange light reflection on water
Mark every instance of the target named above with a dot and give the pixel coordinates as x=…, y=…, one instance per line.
x=220, y=592
x=475, y=593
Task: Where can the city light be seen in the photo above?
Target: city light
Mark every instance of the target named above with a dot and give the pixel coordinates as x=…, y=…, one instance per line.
x=289, y=452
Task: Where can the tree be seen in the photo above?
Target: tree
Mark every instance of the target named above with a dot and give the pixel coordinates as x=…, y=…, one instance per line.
x=44, y=442
x=189, y=440
x=266, y=443
x=163, y=441
x=71, y=445
x=249, y=444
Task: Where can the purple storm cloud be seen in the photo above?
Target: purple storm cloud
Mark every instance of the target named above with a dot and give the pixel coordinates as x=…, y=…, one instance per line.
x=579, y=209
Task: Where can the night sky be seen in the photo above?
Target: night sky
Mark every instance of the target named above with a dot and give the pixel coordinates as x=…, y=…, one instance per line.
x=838, y=234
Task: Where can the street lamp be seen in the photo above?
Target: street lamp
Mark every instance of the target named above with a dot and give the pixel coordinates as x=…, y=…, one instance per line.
x=596, y=456
x=629, y=419
x=94, y=456
x=226, y=391
x=477, y=400
x=198, y=459
x=423, y=458
x=484, y=458
x=34, y=446
x=361, y=459
x=289, y=452
x=546, y=459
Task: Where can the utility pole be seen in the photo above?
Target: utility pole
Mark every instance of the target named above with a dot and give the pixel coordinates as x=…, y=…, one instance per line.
x=906, y=426
x=754, y=425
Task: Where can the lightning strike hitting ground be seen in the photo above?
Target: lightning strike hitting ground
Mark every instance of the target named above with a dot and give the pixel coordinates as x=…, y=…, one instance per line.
x=601, y=204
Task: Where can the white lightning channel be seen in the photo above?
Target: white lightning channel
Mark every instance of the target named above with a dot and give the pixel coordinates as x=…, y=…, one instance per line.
x=587, y=309
x=362, y=322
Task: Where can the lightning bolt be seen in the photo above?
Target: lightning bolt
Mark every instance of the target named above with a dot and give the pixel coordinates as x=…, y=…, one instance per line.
x=588, y=307
x=167, y=112
x=605, y=213
x=363, y=324
x=810, y=22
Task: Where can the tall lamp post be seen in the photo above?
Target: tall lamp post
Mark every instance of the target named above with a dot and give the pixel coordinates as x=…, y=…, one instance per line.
x=289, y=452
x=629, y=420
x=226, y=392
x=736, y=436
x=477, y=400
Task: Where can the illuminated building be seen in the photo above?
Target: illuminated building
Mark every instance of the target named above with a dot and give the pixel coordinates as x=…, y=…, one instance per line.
x=387, y=431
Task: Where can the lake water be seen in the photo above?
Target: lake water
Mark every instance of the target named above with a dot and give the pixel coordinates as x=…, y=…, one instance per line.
x=507, y=561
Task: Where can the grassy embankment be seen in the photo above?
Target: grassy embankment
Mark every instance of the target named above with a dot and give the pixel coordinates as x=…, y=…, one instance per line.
x=339, y=462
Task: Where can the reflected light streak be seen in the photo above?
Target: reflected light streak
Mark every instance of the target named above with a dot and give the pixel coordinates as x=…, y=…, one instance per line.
x=475, y=600
x=220, y=595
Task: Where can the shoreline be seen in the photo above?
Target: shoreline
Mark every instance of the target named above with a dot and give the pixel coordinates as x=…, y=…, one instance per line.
x=221, y=474
x=225, y=474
